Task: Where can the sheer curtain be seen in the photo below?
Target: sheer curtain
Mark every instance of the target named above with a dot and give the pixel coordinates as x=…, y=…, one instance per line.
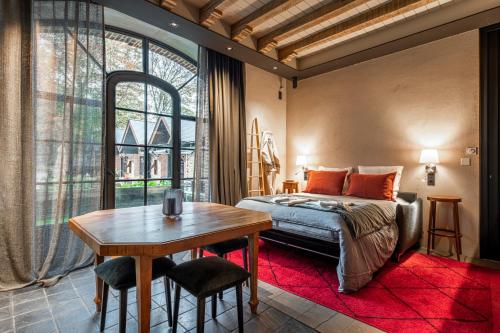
x=16, y=130
x=202, y=144
x=68, y=83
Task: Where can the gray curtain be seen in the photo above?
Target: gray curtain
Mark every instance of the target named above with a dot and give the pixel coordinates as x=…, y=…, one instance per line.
x=202, y=144
x=16, y=130
x=226, y=96
x=68, y=82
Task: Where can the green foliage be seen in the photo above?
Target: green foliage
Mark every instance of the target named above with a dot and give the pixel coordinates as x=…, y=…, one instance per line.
x=122, y=55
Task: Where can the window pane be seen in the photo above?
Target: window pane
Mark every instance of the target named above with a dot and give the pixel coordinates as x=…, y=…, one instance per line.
x=187, y=187
x=159, y=131
x=188, y=131
x=123, y=52
x=159, y=101
x=130, y=95
x=129, y=194
x=189, y=94
x=187, y=163
x=160, y=163
x=129, y=162
x=129, y=127
x=156, y=189
x=169, y=66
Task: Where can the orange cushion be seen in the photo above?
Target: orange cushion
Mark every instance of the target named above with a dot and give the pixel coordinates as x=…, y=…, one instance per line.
x=371, y=186
x=325, y=182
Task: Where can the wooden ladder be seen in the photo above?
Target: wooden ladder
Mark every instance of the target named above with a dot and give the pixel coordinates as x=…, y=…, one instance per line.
x=254, y=161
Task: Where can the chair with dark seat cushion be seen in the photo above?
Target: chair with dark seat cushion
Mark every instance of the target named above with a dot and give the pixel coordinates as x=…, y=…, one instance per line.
x=205, y=277
x=221, y=249
x=119, y=274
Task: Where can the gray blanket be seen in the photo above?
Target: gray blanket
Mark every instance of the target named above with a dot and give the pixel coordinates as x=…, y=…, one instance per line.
x=362, y=217
x=366, y=236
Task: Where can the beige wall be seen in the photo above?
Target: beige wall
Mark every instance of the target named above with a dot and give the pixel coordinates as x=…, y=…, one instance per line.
x=384, y=111
x=262, y=102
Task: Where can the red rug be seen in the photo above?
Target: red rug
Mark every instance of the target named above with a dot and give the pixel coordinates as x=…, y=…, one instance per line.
x=420, y=294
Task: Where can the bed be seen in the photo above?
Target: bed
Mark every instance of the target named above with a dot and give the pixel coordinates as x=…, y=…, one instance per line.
x=330, y=232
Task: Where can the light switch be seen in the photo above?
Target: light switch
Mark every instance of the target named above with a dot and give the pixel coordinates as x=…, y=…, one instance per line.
x=465, y=161
x=471, y=150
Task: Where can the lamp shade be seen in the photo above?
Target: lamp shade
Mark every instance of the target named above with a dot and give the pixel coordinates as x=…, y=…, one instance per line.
x=429, y=156
x=301, y=160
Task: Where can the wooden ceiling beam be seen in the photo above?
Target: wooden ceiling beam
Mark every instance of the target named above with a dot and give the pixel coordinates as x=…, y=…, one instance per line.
x=244, y=27
x=209, y=14
x=338, y=7
x=369, y=18
x=168, y=4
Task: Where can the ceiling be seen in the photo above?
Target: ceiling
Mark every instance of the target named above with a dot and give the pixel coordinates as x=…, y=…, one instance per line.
x=308, y=37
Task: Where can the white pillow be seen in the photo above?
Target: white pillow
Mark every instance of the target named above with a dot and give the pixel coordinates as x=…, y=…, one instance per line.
x=346, y=181
x=383, y=170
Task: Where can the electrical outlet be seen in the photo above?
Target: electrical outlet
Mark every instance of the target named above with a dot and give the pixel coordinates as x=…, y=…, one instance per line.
x=471, y=150
x=465, y=161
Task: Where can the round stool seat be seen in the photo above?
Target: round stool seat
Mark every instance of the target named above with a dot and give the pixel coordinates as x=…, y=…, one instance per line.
x=444, y=198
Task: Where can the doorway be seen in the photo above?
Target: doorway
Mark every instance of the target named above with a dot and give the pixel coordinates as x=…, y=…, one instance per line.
x=490, y=143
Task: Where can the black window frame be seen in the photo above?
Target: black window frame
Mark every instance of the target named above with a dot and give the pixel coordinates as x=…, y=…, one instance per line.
x=112, y=80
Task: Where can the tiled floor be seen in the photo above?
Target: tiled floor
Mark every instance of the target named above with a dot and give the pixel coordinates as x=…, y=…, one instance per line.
x=68, y=307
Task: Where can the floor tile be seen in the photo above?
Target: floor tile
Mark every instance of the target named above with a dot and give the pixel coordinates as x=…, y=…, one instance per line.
x=295, y=327
x=28, y=296
x=316, y=315
x=290, y=304
x=29, y=306
x=360, y=327
x=33, y=317
x=7, y=301
x=164, y=328
x=336, y=324
x=6, y=324
x=188, y=319
x=212, y=326
x=5, y=312
x=46, y=326
x=270, y=319
x=130, y=327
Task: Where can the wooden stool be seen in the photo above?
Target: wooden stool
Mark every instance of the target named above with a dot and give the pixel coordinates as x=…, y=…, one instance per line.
x=206, y=277
x=119, y=274
x=441, y=232
x=290, y=186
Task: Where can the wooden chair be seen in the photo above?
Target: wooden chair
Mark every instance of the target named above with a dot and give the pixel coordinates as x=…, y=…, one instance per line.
x=119, y=274
x=206, y=277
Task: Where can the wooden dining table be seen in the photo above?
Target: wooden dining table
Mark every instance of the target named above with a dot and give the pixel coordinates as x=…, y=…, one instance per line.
x=145, y=233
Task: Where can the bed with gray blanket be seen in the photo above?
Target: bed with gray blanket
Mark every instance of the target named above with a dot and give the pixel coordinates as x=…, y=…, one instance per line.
x=363, y=234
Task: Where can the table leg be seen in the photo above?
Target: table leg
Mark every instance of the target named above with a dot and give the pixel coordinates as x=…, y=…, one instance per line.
x=98, y=284
x=194, y=253
x=253, y=246
x=143, y=271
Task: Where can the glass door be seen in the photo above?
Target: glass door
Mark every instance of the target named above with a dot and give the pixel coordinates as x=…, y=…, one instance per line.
x=143, y=142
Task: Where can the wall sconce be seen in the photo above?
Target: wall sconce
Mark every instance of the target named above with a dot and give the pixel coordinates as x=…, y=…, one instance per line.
x=302, y=161
x=430, y=158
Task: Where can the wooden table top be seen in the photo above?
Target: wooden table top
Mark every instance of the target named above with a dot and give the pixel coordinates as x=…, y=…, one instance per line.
x=145, y=230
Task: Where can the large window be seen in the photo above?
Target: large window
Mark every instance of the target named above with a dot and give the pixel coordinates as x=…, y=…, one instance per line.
x=148, y=120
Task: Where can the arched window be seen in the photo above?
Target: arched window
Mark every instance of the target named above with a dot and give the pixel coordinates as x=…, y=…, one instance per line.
x=151, y=109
